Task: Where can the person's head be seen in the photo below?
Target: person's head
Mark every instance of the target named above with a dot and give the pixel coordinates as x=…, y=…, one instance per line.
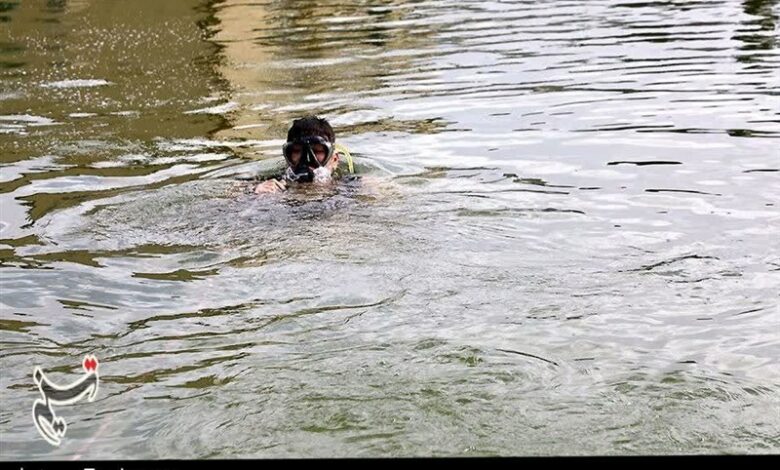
x=309, y=147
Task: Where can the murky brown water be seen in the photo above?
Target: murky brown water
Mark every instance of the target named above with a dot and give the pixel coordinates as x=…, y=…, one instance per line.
x=571, y=248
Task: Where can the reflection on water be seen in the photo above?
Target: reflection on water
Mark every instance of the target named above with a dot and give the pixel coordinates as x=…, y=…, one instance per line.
x=759, y=32
x=567, y=245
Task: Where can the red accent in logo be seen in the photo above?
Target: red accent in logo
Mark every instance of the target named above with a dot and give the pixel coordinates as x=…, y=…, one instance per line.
x=90, y=363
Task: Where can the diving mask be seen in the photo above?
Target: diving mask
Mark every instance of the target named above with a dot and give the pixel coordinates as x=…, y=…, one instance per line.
x=301, y=158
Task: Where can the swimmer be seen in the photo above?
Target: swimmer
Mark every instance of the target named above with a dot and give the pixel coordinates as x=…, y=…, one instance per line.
x=311, y=154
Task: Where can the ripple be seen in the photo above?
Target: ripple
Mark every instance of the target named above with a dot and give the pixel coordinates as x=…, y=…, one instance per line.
x=76, y=83
x=218, y=109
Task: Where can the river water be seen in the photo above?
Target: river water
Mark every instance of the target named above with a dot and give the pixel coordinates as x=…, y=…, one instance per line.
x=567, y=246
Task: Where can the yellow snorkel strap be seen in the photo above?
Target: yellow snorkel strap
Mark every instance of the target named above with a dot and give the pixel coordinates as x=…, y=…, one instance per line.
x=343, y=150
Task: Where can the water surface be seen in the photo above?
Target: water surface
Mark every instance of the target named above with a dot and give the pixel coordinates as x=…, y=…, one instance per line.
x=570, y=248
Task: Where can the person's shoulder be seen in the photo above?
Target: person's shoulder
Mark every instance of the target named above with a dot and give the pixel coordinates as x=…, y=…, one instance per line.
x=345, y=157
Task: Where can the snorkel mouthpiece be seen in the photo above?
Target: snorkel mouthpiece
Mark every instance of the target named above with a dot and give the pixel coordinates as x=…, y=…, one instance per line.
x=301, y=174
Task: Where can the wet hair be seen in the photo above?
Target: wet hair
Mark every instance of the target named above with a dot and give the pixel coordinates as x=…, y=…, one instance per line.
x=310, y=126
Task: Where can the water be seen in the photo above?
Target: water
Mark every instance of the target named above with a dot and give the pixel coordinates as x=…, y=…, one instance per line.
x=569, y=245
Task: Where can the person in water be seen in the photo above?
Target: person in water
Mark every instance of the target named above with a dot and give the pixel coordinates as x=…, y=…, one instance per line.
x=311, y=154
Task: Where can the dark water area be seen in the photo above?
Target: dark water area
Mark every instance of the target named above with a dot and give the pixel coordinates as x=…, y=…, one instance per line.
x=567, y=244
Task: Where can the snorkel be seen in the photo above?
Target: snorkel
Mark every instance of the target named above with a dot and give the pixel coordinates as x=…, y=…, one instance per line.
x=303, y=165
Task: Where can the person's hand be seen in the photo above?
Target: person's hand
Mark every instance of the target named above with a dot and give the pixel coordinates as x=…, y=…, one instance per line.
x=270, y=186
